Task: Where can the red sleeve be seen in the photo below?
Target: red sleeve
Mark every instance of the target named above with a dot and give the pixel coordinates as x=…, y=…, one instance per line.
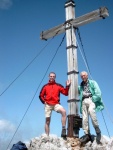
x=42, y=95
x=65, y=90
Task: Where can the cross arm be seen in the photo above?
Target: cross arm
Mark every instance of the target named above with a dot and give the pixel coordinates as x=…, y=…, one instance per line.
x=98, y=14
x=52, y=32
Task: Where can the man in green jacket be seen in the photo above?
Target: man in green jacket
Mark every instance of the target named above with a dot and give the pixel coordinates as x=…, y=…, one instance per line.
x=90, y=102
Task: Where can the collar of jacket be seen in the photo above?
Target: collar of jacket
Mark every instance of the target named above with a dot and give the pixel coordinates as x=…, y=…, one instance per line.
x=51, y=83
x=82, y=83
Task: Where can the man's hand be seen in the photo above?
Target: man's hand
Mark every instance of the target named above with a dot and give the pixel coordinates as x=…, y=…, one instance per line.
x=86, y=95
x=68, y=83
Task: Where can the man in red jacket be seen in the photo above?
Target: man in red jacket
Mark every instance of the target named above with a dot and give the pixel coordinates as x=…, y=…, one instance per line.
x=50, y=96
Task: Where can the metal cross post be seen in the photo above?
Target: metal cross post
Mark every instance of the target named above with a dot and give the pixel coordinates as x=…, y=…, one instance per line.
x=74, y=120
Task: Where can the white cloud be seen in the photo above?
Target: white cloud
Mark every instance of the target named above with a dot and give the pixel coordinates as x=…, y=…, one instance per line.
x=5, y=4
x=6, y=131
x=6, y=126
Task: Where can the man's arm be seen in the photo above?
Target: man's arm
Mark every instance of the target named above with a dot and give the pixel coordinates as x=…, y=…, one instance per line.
x=42, y=95
x=97, y=92
x=66, y=89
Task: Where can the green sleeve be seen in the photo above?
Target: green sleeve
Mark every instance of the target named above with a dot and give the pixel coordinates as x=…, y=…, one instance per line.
x=97, y=92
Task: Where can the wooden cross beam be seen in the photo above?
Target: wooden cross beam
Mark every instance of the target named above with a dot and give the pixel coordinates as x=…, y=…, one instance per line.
x=98, y=14
x=69, y=27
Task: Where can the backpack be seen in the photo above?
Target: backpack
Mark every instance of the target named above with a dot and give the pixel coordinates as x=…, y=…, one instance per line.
x=19, y=146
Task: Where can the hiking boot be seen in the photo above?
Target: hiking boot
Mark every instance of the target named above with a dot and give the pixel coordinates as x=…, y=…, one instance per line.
x=90, y=138
x=85, y=139
x=98, y=138
x=98, y=132
x=63, y=134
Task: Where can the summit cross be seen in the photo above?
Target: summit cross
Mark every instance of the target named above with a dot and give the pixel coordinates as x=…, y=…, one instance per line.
x=69, y=26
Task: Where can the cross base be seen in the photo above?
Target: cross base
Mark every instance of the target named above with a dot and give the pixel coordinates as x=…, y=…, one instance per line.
x=74, y=125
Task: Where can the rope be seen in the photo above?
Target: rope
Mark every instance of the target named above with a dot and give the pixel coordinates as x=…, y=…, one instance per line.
x=86, y=64
x=29, y=64
x=35, y=92
x=83, y=49
x=85, y=59
x=111, y=119
x=25, y=68
x=105, y=124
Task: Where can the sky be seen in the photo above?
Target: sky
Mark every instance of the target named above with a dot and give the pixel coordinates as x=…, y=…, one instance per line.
x=21, y=22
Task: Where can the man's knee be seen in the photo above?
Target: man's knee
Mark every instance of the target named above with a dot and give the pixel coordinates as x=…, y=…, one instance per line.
x=63, y=111
x=91, y=111
x=48, y=120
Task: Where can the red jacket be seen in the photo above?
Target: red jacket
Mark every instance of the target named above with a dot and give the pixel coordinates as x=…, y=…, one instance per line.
x=50, y=93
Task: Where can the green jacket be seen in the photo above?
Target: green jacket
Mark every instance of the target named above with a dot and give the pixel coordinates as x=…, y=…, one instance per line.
x=96, y=95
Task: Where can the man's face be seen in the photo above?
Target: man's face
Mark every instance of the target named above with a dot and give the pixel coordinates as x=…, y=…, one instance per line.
x=52, y=77
x=84, y=77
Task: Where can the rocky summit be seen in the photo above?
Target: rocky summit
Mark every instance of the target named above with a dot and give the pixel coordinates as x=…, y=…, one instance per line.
x=53, y=142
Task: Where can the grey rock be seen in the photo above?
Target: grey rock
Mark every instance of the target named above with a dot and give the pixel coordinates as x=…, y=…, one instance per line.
x=53, y=142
